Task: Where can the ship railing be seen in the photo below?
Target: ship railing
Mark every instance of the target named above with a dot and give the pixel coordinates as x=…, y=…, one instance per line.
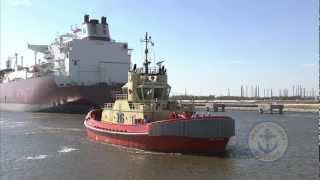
x=141, y=106
x=121, y=96
x=108, y=105
x=151, y=70
x=136, y=106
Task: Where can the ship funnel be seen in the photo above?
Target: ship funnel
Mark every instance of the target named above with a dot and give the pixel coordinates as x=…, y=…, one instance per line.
x=86, y=18
x=8, y=63
x=21, y=61
x=103, y=20
x=16, y=58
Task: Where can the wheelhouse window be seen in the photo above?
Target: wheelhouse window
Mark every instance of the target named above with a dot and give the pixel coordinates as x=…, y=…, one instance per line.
x=158, y=93
x=139, y=91
x=125, y=90
x=168, y=92
x=148, y=93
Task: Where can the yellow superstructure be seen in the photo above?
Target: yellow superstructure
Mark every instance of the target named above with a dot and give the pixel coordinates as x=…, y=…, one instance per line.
x=145, y=98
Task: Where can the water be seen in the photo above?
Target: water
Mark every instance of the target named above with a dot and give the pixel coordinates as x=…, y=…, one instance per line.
x=55, y=146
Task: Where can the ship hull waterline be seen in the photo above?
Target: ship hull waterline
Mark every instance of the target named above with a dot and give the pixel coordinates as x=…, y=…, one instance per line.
x=142, y=139
x=43, y=94
x=166, y=144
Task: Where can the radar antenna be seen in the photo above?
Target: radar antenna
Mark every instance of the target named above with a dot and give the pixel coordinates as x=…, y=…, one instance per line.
x=147, y=40
x=160, y=63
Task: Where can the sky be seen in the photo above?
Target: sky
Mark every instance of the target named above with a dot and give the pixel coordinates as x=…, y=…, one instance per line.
x=209, y=46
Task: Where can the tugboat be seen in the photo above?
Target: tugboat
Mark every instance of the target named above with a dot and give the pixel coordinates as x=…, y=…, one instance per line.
x=144, y=117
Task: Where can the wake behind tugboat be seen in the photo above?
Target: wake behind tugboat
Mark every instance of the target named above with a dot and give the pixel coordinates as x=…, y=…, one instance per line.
x=144, y=118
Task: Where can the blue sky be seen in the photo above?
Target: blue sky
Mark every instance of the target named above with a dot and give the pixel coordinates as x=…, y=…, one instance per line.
x=208, y=45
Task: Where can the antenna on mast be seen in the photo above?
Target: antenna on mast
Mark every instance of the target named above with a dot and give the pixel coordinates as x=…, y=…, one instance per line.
x=147, y=40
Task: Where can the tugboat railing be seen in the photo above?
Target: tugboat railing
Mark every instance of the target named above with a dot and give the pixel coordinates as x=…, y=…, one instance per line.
x=121, y=96
x=152, y=70
x=132, y=106
x=108, y=105
x=136, y=106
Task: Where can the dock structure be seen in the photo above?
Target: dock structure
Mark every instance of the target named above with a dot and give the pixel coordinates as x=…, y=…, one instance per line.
x=262, y=107
x=272, y=108
x=216, y=107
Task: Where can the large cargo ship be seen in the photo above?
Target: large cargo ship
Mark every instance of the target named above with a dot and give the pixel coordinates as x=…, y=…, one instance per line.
x=78, y=70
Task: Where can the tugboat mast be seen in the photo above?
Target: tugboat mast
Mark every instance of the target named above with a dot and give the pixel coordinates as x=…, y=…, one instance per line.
x=146, y=51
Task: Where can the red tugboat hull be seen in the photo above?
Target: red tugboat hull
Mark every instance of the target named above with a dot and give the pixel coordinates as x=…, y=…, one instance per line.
x=147, y=137
x=167, y=144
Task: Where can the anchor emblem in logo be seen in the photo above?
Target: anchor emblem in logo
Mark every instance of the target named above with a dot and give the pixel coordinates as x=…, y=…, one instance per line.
x=266, y=145
x=268, y=141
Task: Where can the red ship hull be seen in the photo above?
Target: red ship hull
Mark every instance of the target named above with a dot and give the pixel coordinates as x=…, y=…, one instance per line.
x=142, y=137
x=45, y=95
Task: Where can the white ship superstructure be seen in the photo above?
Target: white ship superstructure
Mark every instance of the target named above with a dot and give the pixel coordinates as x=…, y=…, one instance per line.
x=85, y=56
x=78, y=70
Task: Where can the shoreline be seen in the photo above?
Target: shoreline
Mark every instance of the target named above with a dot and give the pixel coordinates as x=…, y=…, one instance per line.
x=288, y=106
x=257, y=110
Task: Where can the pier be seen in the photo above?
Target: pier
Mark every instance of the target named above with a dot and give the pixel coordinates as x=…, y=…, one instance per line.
x=216, y=107
x=262, y=106
x=272, y=108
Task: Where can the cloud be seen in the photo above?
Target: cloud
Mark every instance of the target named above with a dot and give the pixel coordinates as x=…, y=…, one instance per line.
x=308, y=65
x=19, y=3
